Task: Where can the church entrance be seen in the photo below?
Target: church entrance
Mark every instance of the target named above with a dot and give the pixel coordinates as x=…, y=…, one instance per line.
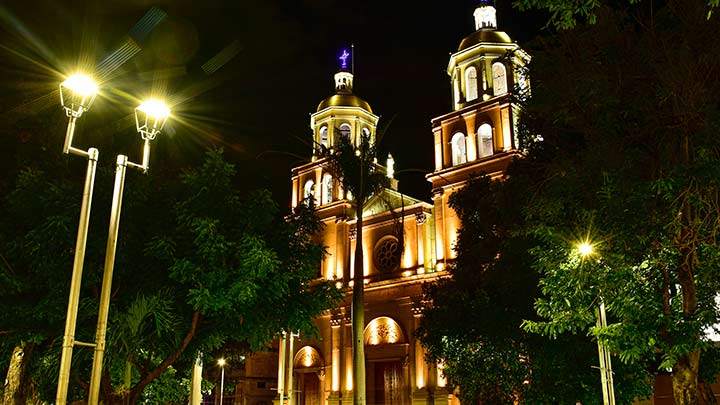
x=308, y=389
x=387, y=383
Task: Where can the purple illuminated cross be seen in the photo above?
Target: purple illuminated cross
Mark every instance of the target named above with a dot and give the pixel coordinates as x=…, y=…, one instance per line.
x=343, y=59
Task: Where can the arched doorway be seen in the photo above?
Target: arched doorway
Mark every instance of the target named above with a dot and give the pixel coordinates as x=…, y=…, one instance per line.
x=307, y=364
x=386, y=351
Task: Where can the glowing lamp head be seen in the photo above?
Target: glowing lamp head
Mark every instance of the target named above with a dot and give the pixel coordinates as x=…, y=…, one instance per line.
x=77, y=94
x=585, y=249
x=221, y=362
x=150, y=118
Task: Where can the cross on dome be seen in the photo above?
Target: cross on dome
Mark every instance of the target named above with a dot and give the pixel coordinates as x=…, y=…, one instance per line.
x=344, y=59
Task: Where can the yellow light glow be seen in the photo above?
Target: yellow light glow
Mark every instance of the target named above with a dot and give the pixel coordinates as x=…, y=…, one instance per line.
x=307, y=356
x=408, y=258
x=421, y=270
x=407, y=273
x=221, y=362
x=383, y=330
x=336, y=370
x=348, y=376
x=155, y=108
x=585, y=249
x=441, y=380
x=81, y=84
x=338, y=285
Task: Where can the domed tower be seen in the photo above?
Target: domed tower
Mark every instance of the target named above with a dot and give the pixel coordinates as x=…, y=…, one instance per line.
x=479, y=134
x=343, y=114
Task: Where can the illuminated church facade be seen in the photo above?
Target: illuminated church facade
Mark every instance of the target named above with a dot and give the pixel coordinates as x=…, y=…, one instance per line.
x=406, y=241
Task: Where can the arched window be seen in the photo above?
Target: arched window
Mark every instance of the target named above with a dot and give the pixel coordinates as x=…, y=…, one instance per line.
x=366, y=133
x=499, y=79
x=458, y=149
x=324, y=136
x=471, y=87
x=345, y=131
x=327, y=189
x=485, y=140
x=309, y=190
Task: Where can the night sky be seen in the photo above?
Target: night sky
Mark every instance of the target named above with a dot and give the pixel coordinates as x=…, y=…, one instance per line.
x=244, y=75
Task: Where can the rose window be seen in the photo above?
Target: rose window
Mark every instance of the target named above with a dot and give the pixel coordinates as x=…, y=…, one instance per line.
x=387, y=254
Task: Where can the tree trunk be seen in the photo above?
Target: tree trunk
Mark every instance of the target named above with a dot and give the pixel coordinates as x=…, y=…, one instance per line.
x=708, y=395
x=358, y=313
x=16, y=384
x=685, y=379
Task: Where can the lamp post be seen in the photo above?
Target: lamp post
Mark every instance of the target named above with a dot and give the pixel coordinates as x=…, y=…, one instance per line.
x=221, y=363
x=77, y=94
x=606, y=377
x=150, y=117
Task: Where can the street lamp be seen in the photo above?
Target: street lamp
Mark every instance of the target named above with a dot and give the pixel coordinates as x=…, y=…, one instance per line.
x=150, y=117
x=221, y=363
x=606, y=378
x=77, y=94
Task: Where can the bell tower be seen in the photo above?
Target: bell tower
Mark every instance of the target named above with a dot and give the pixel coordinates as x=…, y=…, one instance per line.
x=479, y=135
x=341, y=115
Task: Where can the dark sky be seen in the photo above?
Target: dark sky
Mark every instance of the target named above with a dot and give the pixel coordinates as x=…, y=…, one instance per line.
x=256, y=104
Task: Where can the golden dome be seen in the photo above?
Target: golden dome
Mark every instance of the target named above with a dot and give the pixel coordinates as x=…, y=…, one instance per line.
x=484, y=36
x=344, y=100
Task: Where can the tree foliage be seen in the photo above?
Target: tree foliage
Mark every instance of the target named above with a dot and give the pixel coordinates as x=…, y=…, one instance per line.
x=564, y=14
x=201, y=264
x=475, y=317
x=628, y=160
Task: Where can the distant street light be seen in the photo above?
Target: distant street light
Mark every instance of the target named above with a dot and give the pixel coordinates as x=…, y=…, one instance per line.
x=606, y=378
x=77, y=94
x=221, y=363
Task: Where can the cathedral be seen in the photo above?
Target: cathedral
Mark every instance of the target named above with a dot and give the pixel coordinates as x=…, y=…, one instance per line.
x=406, y=241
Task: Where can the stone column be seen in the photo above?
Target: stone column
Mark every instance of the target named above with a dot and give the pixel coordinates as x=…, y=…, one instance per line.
x=347, y=394
x=336, y=322
x=419, y=394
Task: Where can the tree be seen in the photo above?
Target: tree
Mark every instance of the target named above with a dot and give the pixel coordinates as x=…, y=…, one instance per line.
x=354, y=164
x=628, y=158
x=201, y=264
x=565, y=13
x=474, y=322
x=622, y=150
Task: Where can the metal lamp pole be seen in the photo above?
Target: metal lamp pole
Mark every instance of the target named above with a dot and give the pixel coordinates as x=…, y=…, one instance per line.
x=606, y=377
x=77, y=94
x=221, y=363
x=150, y=117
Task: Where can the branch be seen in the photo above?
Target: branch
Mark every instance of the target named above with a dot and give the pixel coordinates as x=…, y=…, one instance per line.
x=135, y=393
x=7, y=264
x=134, y=360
